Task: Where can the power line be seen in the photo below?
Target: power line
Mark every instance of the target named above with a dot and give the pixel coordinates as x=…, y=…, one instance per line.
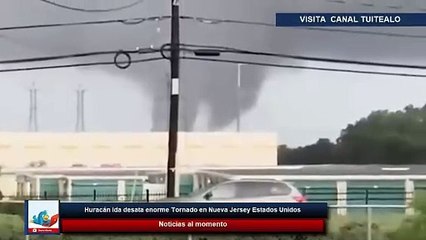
x=79, y=55
x=371, y=3
x=219, y=21
x=139, y=20
x=126, y=21
x=135, y=3
x=220, y=49
x=385, y=34
x=266, y=24
x=190, y=48
x=76, y=65
x=216, y=60
x=305, y=67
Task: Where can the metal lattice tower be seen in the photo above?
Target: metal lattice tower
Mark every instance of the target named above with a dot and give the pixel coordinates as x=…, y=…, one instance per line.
x=80, y=124
x=32, y=122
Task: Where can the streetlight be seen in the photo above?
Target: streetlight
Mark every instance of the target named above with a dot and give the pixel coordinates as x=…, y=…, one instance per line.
x=238, y=97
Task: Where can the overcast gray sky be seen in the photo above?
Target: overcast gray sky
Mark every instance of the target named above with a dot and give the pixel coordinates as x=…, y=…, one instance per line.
x=300, y=105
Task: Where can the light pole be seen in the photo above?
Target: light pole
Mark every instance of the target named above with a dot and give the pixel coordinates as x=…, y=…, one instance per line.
x=238, y=97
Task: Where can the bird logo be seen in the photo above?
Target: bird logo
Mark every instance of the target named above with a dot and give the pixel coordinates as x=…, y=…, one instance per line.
x=44, y=219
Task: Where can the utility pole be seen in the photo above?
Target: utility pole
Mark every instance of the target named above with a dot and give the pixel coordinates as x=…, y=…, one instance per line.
x=174, y=100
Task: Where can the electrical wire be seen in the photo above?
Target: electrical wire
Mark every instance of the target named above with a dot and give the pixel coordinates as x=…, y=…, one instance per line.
x=126, y=21
x=219, y=21
x=361, y=32
x=372, y=3
x=139, y=20
x=78, y=55
x=215, y=60
x=305, y=67
x=265, y=24
x=298, y=57
x=220, y=49
x=130, y=5
x=76, y=65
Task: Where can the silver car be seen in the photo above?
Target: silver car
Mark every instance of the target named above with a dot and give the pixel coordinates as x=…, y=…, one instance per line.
x=245, y=191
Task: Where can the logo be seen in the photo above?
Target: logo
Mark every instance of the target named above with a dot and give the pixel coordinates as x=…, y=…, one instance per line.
x=42, y=217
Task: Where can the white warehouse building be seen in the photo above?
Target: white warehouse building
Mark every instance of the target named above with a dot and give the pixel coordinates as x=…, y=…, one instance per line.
x=122, y=166
x=80, y=160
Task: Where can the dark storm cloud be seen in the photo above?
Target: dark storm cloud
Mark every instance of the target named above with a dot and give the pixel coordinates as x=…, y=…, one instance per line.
x=202, y=83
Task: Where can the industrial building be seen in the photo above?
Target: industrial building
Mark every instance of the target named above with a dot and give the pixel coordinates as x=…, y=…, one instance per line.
x=122, y=166
x=78, y=158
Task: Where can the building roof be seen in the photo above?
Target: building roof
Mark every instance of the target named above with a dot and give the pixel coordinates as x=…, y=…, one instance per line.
x=284, y=171
x=62, y=150
x=333, y=170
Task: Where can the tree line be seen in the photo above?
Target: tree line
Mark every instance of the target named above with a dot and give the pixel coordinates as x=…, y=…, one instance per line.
x=383, y=137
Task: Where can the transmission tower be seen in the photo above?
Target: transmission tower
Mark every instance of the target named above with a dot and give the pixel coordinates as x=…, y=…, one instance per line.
x=32, y=123
x=80, y=125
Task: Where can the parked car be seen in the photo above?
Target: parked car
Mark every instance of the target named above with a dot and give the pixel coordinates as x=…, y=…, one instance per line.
x=245, y=191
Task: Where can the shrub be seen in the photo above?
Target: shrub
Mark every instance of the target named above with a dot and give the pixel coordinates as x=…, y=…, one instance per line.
x=359, y=231
x=13, y=208
x=11, y=227
x=413, y=228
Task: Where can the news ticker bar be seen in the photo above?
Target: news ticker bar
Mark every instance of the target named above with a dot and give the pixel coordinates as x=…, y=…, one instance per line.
x=54, y=217
x=192, y=210
x=350, y=19
x=193, y=217
x=193, y=226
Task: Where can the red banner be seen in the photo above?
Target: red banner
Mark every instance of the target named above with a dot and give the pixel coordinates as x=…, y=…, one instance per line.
x=193, y=225
x=43, y=230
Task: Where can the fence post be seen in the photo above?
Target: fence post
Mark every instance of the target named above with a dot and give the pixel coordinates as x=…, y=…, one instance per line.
x=366, y=196
x=304, y=191
x=369, y=222
x=147, y=195
x=45, y=195
x=94, y=194
x=141, y=196
x=341, y=197
x=409, y=196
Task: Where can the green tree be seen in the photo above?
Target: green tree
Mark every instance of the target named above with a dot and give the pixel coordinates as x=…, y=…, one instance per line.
x=383, y=137
x=413, y=228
